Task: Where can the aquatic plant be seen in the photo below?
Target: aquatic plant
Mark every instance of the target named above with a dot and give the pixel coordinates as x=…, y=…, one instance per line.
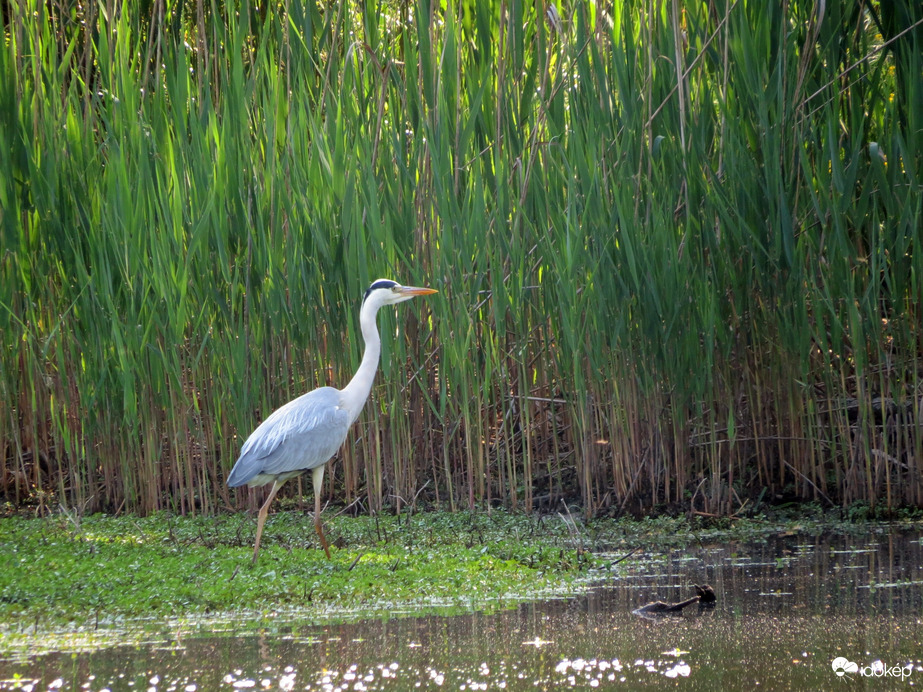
x=100, y=569
x=110, y=568
x=675, y=246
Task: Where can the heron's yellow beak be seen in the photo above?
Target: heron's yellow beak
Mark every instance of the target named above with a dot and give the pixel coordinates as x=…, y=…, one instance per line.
x=416, y=291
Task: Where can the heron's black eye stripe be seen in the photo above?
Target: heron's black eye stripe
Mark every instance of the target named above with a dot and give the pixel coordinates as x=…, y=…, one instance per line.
x=382, y=283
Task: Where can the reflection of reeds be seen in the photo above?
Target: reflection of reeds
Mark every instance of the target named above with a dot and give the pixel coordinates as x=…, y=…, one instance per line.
x=669, y=274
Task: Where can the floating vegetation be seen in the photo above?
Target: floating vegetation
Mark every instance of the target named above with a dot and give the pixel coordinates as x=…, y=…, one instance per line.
x=81, y=586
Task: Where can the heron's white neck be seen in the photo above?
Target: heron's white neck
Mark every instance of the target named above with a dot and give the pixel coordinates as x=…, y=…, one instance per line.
x=357, y=391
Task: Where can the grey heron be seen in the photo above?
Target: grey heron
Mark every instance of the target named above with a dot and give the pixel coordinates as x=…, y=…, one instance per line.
x=306, y=432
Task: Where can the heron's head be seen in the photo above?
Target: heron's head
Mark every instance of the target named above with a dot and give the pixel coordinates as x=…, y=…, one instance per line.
x=387, y=292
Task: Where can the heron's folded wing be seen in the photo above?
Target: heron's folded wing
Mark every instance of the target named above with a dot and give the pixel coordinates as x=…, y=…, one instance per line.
x=302, y=434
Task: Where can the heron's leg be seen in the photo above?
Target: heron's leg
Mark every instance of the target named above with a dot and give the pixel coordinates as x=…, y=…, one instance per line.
x=264, y=510
x=317, y=475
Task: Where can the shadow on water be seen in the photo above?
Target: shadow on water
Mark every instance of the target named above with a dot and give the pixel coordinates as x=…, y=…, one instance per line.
x=786, y=609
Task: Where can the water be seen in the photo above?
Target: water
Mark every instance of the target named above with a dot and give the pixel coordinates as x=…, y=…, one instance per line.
x=787, y=608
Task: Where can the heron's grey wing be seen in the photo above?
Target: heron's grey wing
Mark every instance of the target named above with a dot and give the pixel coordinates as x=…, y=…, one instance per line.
x=302, y=434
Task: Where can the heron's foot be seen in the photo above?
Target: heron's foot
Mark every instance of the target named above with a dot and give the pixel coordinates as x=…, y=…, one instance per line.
x=256, y=553
x=323, y=539
x=256, y=546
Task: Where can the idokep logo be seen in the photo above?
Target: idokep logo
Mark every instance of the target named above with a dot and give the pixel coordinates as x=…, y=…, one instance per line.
x=843, y=666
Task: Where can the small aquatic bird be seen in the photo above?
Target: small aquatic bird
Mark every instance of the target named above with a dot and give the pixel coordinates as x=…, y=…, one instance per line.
x=306, y=432
x=705, y=597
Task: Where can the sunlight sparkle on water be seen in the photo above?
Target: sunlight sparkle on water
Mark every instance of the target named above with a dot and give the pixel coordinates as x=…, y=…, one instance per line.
x=680, y=669
x=538, y=641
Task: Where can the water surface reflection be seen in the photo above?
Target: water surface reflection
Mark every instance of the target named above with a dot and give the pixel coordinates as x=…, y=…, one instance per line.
x=786, y=609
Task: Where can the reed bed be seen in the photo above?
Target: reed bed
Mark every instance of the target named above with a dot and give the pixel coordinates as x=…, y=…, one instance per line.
x=676, y=243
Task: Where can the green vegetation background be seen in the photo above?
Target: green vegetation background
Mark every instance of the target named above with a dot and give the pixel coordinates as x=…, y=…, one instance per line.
x=68, y=580
x=676, y=244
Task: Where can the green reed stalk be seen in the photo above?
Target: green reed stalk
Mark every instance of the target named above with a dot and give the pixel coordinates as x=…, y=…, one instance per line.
x=674, y=243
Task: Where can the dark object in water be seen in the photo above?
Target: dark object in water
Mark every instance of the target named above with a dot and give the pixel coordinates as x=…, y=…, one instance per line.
x=705, y=596
x=706, y=593
x=660, y=607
